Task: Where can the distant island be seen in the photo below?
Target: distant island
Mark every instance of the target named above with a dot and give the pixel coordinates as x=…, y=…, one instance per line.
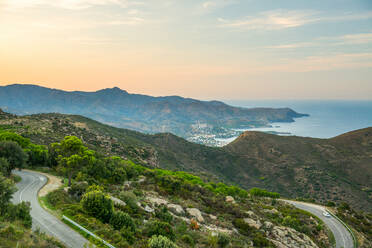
x=198, y=121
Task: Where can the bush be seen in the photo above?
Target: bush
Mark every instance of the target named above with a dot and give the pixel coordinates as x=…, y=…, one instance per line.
x=4, y=165
x=128, y=234
x=260, y=241
x=98, y=204
x=120, y=219
x=243, y=227
x=78, y=189
x=164, y=215
x=6, y=190
x=58, y=197
x=263, y=193
x=131, y=200
x=188, y=239
x=331, y=204
x=223, y=240
x=159, y=228
x=161, y=242
x=20, y=212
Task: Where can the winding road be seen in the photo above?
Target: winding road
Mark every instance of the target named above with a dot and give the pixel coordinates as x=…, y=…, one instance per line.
x=342, y=236
x=28, y=189
x=32, y=182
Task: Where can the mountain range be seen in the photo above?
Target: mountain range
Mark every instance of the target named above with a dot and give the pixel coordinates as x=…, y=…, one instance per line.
x=184, y=117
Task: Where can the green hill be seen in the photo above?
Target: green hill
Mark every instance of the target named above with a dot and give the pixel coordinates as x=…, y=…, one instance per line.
x=335, y=169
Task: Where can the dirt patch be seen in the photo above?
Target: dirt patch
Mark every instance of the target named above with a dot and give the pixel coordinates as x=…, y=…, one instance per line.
x=81, y=125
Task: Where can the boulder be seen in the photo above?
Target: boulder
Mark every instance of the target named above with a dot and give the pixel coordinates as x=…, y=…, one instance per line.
x=213, y=217
x=230, y=199
x=157, y=201
x=268, y=224
x=271, y=211
x=177, y=209
x=149, y=209
x=253, y=223
x=194, y=212
x=117, y=201
x=250, y=213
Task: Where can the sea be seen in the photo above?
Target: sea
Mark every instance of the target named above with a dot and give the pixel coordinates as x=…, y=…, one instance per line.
x=328, y=118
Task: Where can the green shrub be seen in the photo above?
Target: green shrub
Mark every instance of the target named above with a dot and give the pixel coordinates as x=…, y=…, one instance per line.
x=98, y=204
x=20, y=212
x=187, y=239
x=58, y=197
x=4, y=165
x=128, y=234
x=223, y=240
x=6, y=190
x=260, y=241
x=131, y=200
x=212, y=241
x=159, y=228
x=119, y=219
x=243, y=227
x=263, y=193
x=161, y=242
x=164, y=215
x=78, y=189
x=291, y=222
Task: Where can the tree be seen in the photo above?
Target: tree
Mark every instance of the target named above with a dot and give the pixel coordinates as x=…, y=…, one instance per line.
x=9, y=136
x=37, y=155
x=71, y=145
x=6, y=190
x=14, y=154
x=98, y=204
x=70, y=165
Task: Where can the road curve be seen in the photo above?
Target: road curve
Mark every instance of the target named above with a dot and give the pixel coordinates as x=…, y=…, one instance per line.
x=28, y=188
x=342, y=236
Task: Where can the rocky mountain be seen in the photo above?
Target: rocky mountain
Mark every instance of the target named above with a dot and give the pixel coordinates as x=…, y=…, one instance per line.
x=184, y=117
x=337, y=169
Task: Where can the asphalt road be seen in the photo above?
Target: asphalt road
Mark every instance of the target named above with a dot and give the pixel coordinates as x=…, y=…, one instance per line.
x=342, y=235
x=27, y=191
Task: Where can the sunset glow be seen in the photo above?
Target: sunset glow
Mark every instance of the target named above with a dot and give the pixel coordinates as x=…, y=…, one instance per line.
x=250, y=49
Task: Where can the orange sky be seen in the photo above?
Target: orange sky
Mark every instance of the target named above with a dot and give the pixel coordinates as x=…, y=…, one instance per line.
x=214, y=50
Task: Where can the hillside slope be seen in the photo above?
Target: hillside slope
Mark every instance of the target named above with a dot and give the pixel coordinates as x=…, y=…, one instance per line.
x=337, y=169
x=184, y=117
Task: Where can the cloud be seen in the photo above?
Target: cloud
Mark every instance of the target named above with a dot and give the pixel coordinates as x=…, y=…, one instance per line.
x=69, y=4
x=283, y=19
x=354, y=39
x=130, y=21
x=212, y=5
x=349, y=39
x=320, y=63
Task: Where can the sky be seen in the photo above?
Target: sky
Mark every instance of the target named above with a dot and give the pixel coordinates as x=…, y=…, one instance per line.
x=206, y=49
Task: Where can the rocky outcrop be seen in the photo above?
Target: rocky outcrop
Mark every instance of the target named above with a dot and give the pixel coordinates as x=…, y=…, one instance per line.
x=157, y=201
x=177, y=209
x=285, y=237
x=194, y=212
x=253, y=223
